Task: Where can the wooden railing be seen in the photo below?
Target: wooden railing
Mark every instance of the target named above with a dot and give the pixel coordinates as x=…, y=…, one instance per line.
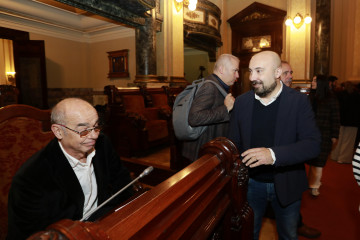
x=206, y=200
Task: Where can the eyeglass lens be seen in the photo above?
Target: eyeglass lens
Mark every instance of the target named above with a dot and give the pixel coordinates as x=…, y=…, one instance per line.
x=88, y=131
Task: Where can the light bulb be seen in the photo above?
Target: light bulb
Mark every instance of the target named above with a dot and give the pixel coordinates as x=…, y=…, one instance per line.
x=288, y=21
x=297, y=19
x=308, y=19
x=192, y=6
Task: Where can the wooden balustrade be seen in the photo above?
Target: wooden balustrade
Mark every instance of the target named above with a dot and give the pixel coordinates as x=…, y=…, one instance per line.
x=205, y=200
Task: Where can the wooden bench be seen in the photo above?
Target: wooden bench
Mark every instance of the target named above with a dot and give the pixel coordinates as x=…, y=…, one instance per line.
x=133, y=127
x=24, y=130
x=131, y=131
x=206, y=200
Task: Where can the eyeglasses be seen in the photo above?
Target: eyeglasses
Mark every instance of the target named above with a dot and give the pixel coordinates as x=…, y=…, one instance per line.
x=85, y=132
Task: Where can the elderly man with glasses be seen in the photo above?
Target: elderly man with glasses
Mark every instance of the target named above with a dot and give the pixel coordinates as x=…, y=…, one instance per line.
x=71, y=176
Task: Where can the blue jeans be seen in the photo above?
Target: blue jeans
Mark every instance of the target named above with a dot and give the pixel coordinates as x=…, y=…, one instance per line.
x=259, y=194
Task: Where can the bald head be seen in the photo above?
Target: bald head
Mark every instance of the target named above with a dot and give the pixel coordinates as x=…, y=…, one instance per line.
x=265, y=71
x=271, y=58
x=225, y=60
x=68, y=108
x=227, y=68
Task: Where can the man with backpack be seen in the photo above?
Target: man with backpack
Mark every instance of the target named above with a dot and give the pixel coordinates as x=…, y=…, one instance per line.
x=210, y=108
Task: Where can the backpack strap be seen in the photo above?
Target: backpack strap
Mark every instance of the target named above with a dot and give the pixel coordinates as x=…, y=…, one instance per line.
x=221, y=89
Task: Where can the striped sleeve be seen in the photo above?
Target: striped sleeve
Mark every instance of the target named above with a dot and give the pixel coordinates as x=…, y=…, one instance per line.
x=356, y=164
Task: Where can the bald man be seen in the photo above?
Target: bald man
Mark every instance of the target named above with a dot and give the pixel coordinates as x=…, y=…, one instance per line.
x=71, y=176
x=274, y=129
x=209, y=106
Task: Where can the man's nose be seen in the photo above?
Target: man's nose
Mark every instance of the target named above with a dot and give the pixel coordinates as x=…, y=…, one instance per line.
x=252, y=76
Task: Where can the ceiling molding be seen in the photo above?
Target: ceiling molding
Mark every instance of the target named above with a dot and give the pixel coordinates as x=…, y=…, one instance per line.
x=38, y=18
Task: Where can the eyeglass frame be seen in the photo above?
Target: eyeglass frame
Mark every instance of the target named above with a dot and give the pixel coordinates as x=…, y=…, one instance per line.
x=96, y=129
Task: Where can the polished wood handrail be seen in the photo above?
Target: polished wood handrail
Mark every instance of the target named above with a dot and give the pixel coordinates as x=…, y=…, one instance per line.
x=205, y=199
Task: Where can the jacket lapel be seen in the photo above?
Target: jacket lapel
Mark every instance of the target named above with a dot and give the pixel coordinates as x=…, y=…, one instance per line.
x=65, y=176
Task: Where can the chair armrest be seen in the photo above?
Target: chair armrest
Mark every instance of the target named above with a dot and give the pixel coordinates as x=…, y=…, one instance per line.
x=137, y=120
x=152, y=113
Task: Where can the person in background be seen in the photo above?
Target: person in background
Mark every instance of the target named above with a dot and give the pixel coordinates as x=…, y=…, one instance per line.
x=303, y=229
x=334, y=86
x=326, y=109
x=71, y=176
x=275, y=137
x=209, y=106
x=349, y=100
x=286, y=75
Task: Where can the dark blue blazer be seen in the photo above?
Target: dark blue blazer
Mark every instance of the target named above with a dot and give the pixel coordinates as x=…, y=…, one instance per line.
x=297, y=139
x=45, y=189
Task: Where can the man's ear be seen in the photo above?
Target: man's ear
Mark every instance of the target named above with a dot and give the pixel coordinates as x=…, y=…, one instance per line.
x=278, y=72
x=221, y=69
x=58, y=132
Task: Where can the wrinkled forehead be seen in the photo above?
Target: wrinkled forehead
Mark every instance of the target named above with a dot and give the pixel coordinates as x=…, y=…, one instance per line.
x=82, y=115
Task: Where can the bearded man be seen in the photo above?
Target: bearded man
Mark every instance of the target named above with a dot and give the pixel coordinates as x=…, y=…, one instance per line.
x=274, y=129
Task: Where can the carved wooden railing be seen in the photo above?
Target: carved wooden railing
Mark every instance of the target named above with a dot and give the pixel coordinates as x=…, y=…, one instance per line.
x=205, y=200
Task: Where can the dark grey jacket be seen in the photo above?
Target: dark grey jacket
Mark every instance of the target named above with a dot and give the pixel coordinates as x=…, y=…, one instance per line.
x=207, y=109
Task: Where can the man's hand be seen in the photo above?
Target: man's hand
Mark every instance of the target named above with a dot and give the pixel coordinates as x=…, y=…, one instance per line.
x=255, y=157
x=229, y=102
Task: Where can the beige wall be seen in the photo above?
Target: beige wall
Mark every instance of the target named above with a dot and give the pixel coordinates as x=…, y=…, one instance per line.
x=345, y=41
x=99, y=63
x=192, y=62
x=71, y=64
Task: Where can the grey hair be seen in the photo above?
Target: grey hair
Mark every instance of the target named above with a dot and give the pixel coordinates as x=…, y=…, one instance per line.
x=224, y=60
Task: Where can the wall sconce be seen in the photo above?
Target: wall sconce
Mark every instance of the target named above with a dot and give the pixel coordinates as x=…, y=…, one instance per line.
x=10, y=77
x=298, y=20
x=190, y=3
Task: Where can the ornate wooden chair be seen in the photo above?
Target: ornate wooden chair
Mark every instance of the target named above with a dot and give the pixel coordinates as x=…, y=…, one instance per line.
x=24, y=130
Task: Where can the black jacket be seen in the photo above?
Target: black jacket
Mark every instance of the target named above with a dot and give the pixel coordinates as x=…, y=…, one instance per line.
x=45, y=189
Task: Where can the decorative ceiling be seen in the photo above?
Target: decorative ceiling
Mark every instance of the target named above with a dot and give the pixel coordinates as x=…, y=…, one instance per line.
x=53, y=18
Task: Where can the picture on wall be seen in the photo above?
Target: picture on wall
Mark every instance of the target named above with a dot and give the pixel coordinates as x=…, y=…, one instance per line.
x=118, y=64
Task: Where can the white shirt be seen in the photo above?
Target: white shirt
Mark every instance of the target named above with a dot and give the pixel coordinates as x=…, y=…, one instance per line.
x=86, y=176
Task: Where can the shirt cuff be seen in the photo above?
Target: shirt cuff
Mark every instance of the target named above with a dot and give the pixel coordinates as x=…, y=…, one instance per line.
x=272, y=155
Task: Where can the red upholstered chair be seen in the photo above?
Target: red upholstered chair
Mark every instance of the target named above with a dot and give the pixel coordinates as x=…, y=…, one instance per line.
x=24, y=130
x=133, y=127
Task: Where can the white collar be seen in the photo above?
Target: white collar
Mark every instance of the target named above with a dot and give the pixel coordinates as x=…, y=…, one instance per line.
x=73, y=161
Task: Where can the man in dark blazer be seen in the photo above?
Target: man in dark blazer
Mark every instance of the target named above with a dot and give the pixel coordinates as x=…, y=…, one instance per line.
x=209, y=106
x=71, y=176
x=273, y=127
